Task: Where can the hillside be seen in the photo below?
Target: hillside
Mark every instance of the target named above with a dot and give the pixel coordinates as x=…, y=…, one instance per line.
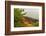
x=27, y=22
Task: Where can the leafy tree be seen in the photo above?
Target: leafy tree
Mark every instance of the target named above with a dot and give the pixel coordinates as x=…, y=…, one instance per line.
x=18, y=16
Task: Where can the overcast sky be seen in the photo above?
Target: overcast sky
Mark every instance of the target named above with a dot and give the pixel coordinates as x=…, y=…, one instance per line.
x=33, y=13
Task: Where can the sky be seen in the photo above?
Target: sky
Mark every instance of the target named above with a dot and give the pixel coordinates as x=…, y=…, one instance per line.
x=32, y=13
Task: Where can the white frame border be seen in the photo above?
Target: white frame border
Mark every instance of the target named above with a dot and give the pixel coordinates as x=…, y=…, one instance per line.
x=23, y=28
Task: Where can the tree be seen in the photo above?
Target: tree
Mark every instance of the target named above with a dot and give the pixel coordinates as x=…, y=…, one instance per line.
x=18, y=16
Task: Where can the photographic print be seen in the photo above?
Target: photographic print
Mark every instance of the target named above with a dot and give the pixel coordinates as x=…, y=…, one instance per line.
x=24, y=17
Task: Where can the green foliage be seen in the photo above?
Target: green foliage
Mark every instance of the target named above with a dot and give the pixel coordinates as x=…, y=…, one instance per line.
x=35, y=23
x=18, y=16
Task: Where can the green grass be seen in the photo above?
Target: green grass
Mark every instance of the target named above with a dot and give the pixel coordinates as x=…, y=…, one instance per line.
x=33, y=24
